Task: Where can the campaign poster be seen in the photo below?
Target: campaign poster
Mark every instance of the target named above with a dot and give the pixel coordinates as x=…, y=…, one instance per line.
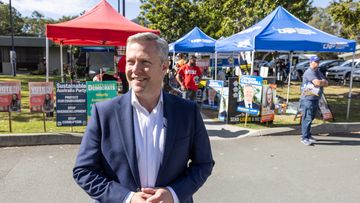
x=233, y=116
x=224, y=100
x=213, y=93
x=249, y=100
x=10, y=96
x=325, y=109
x=71, y=104
x=41, y=97
x=268, y=103
x=99, y=91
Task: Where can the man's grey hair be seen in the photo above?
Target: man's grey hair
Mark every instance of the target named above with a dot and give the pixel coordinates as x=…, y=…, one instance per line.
x=162, y=45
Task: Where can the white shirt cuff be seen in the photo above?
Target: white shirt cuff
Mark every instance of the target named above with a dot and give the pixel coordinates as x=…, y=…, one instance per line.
x=175, y=197
x=128, y=197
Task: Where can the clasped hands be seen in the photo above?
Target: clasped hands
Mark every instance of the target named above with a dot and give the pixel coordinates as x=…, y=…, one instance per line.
x=152, y=195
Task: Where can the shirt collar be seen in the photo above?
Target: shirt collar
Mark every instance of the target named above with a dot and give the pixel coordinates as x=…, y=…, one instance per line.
x=135, y=102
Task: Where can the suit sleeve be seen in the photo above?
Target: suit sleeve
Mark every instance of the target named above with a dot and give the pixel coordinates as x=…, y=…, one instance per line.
x=88, y=170
x=201, y=163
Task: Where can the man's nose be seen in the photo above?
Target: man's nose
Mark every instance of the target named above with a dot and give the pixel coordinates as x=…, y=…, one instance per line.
x=137, y=67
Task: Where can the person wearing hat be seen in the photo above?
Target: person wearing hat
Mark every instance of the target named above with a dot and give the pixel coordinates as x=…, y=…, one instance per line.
x=189, y=76
x=312, y=89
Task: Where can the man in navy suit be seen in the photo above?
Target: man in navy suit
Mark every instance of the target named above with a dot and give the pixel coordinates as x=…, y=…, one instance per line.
x=147, y=145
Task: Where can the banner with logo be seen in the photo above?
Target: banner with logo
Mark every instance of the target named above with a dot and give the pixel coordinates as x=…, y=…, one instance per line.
x=71, y=104
x=41, y=97
x=99, y=91
x=250, y=94
x=268, y=103
x=10, y=96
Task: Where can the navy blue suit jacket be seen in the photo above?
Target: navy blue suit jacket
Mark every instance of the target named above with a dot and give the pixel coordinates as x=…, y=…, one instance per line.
x=106, y=166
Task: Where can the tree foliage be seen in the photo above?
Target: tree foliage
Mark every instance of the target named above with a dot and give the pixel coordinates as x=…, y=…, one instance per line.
x=18, y=22
x=232, y=16
x=347, y=13
x=322, y=20
x=215, y=17
x=173, y=18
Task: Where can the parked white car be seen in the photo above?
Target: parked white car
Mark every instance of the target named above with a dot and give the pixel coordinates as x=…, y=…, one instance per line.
x=342, y=72
x=356, y=75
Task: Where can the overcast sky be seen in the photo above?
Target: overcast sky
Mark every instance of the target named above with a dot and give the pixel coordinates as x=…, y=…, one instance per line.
x=57, y=8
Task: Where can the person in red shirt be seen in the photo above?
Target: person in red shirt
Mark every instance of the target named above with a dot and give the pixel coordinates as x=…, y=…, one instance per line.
x=189, y=76
x=121, y=71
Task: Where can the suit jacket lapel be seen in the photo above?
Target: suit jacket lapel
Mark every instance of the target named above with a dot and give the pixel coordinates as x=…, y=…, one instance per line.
x=124, y=115
x=170, y=133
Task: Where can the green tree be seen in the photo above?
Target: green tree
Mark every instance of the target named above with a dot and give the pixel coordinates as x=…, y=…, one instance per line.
x=347, y=13
x=18, y=22
x=232, y=16
x=35, y=25
x=173, y=18
x=322, y=20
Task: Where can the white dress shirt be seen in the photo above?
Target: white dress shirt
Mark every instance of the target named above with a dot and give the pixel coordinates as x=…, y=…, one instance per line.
x=150, y=141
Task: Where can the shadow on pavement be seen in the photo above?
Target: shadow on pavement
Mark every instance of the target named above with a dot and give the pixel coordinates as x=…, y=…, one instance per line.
x=350, y=139
x=223, y=133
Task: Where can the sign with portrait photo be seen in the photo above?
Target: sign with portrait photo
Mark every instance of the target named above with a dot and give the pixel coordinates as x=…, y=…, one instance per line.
x=249, y=99
x=268, y=103
x=10, y=96
x=41, y=97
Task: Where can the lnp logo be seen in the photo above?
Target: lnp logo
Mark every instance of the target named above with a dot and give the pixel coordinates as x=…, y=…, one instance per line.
x=201, y=40
x=244, y=44
x=335, y=45
x=300, y=31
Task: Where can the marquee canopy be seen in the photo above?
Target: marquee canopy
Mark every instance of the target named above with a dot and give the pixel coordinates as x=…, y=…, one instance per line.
x=194, y=41
x=282, y=31
x=101, y=25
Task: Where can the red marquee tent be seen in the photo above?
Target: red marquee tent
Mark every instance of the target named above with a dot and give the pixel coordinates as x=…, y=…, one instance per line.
x=101, y=25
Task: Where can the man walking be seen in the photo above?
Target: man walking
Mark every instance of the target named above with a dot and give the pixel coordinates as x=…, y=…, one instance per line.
x=312, y=89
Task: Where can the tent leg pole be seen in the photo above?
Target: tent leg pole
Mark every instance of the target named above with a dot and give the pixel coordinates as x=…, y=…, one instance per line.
x=289, y=78
x=47, y=59
x=215, y=61
x=350, y=87
x=61, y=63
x=252, y=62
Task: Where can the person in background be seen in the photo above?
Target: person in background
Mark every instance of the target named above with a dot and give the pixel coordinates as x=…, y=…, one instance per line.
x=181, y=61
x=121, y=73
x=146, y=145
x=309, y=102
x=189, y=77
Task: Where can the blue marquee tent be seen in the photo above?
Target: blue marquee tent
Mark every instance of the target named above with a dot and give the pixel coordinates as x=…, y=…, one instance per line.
x=194, y=41
x=281, y=31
